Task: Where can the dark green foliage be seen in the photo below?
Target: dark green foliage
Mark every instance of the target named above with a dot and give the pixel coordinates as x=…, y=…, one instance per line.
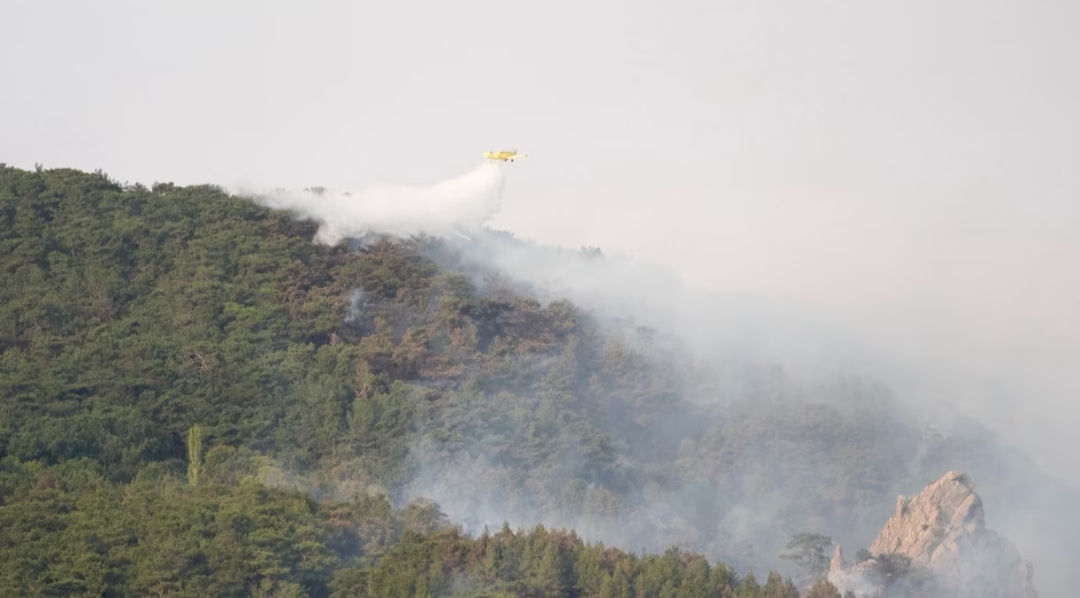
x=807, y=550
x=129, y=315
x=68, y=531
x=324, y=381
x=74, y=533
x=541, y=563
x=169, y=356
x=823, y=589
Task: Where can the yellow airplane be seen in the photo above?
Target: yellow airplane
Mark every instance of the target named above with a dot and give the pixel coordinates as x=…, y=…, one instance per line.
x=504, y=155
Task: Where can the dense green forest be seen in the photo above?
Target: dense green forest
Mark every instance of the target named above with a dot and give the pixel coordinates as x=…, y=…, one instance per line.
x=196, y=400
x=168, y=354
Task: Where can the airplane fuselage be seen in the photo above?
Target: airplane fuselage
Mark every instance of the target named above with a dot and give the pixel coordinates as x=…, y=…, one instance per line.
x=504, y=156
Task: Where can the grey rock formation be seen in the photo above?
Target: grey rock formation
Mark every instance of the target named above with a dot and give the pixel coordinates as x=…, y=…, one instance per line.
x=937, y=543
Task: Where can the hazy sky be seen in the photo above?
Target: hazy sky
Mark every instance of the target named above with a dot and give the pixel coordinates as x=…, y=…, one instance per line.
x=913, y=164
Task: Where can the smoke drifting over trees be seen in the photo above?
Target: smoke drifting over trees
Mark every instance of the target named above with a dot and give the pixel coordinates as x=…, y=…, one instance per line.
x=859, y=228
x=458, y=206
x=724, y=389
x=507, y=381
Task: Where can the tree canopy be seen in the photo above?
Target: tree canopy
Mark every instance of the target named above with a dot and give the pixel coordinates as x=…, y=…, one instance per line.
x=198, y=400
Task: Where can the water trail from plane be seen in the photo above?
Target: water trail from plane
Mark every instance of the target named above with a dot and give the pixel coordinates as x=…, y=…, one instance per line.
x=459, y=206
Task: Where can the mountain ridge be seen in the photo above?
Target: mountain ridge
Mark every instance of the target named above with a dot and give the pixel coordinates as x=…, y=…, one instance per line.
x=131, y=314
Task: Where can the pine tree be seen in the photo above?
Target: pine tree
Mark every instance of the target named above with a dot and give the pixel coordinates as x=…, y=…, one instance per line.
x=195, y=456
x=749, y=588
x=807, y=550
x=552, y=576
x=823, y=589
x=615, y=586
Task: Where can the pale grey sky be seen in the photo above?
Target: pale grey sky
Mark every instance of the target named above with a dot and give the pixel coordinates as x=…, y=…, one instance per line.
x=913, y=164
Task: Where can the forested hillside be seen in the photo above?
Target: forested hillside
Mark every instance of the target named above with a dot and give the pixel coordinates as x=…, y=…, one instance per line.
x=196, y=400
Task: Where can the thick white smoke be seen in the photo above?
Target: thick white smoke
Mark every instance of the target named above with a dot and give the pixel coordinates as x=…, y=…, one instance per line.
x=459, y=206
x=723, y=332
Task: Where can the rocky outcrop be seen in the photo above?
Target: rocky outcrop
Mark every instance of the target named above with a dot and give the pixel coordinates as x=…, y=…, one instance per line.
x=937, y=543
x=837, y=560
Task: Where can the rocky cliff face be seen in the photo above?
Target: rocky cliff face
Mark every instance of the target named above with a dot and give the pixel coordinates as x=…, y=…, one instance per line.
x=937, y=544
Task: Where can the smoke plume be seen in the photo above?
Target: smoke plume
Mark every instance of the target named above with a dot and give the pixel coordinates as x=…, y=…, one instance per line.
x=459, y=206
x=727, y=337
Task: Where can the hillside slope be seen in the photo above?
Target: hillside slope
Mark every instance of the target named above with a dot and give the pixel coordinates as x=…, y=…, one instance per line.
x=128, y=315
